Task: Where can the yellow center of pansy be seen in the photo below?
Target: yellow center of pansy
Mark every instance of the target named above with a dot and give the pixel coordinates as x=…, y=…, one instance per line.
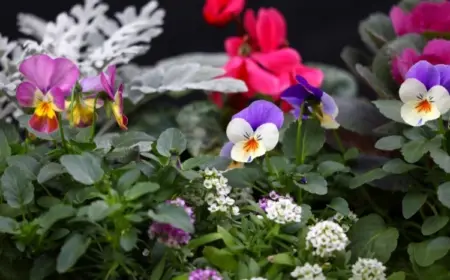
x=251, y=145
x=81, y=114
x=424, y=106
x=45, y=109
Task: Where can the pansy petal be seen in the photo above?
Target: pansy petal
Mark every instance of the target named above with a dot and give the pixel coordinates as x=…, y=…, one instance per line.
x=329, y=122
x=269, y=134
x=238, y=129
x=232, y=45
x=410, y=89
x=425, y=72
x=295, y=95
x=111, y=73
x=440, y=97
x=106, y=86
x=314, y=76
x=316, y=92
x=444, y=75
x=91, y=84
x=58, y=99
x=27, y=94
x=261, y=80
x=43, y=124
x=65, y=75
x=411, y=116
x=90, y=102
x=226, y=150
x=38, y=69
x=329, y=106
x=241, y=153
x=260, y=112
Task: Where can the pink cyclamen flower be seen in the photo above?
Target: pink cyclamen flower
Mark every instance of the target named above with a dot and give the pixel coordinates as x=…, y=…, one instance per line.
x=425, y=17
x=47, y=82
x=435, y=52
x=168, y=234
x=204, y=274
x=220, y=12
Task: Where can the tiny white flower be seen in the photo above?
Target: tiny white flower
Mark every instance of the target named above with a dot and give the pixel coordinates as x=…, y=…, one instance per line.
x=308, y=272
x=235, y=210
x=207, y=184
x=368, y=269
x=283, y=211
x=208, y=172
x=210, y=198
x=213, y=208
x=326, y=238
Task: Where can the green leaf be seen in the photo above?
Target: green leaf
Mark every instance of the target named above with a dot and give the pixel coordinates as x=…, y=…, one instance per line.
x=128, y=239
x=140, y=189
x=5, y=149
x=242, y=177
x=433, y=224
x=47, y=201
x=398, y=166
x=374, y=82
x=50, y=171
x=227, y=238
x=282, y=258
x=441, y=158
x=171, y=141
x=204, y=239
x=340, y=205
x=428, y=252
x=312, y=138
x=412, y=202
x=28, y=164
x=371, y=238
x=55, y=214
x=17, y=189
x=414, y=150
x=367, y=177
x=84, y=168
x=315, y=184
x=74, y=247
x=336, y=80
x=328, y=168
x=158, y=270
x=43, y=267
x=130, y=139
x=443, y=194
x=376, y=30
x=390, y=109
x=128, y=179
x=205, y=161
x=8, y=225
x=99, y=210
x=222, y=259
x=390, y=143
x=351, y=154
x=400, y=275
x=173, y=215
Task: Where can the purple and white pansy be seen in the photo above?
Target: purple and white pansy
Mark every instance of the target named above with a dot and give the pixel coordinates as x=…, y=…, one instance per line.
x=253, y=131
x=425, y=93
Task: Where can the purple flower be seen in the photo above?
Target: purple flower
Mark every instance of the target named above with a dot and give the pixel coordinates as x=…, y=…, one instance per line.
x=319, y=103
x=425, y=93
x=47, y=82
x=204, y=274
x=435, y=52
x=168, y=234
x=254, y=131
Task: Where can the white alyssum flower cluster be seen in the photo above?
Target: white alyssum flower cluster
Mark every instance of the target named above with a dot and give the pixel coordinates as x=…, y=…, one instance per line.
x=345, y=221
x=218, y=192
x=368, y=269
x=308, y=272
x=326, y=238
x=283, y=211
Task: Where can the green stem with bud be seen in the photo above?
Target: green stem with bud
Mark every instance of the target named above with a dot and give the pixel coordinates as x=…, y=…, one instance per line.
x=94, y=119
x=61, y=132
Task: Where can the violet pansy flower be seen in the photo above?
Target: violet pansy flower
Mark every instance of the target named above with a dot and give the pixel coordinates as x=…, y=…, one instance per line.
x=254, y=130
x=47, y=82
x=325, y=110
x=425, y=93
x=108, y=81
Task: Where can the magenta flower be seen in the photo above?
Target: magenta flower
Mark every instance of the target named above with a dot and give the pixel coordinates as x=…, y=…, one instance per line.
x=108, y=81
x=47, y=82
x=204, y=274
x=435, y=52
x=425, y=17
x=168, y=234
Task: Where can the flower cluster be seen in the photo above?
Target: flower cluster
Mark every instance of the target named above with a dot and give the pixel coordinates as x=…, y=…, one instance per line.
x=368, y=269
x=325, y=238
x=345, y=221
x=281, y=209
x=218, y=192
x=48, y=82
x=168, y=234
x=308, y=272
x=261, y=57
x=204, y=274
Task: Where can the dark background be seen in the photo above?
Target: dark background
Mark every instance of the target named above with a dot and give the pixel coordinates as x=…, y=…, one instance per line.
x=318, y=29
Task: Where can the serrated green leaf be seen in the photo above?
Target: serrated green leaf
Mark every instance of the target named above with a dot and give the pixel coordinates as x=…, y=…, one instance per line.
x=398, y=166
x=328, y=168
x=441, y=158
x=128, y=179
x=55, y=214
x=390, y=109
x=315, y=184
x=390, y=143
x=84, y=168
x=17, y=189
x=242, y=177
x=50, y=171
x=171, y=141
x=443, y=194
x=312, y=139
x=411, y=203
x=367, y=177
x=8, y=225
x=414, y=150
x=74, y=247
x=128, y=239
x=173, y=215
x=433, y=224
x=428, y=252
x=27, y=164
x=340, y=205
x=140, y=189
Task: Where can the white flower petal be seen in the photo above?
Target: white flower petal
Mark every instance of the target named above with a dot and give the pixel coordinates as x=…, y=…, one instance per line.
x=410, y=89
x=440, y=97
x=238, y=129
x=269, y=135
x=412, y=117
x=239, y=152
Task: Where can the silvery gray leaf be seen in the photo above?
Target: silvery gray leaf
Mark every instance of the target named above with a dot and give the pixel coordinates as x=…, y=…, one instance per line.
x=209, y=59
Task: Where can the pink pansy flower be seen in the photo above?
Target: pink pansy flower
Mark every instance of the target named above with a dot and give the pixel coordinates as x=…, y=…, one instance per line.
x=47, y=82
x=435, y=52
x=108, y=81
x=425, y=17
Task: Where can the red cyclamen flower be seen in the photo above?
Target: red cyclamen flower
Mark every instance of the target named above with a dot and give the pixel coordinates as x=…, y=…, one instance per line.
x=220, y=12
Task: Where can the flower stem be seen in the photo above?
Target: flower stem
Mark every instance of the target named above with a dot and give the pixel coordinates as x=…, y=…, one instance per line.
x=338, y=141
x=441, y=126
x=61, y=132
x=94, y=119
x=298, y=150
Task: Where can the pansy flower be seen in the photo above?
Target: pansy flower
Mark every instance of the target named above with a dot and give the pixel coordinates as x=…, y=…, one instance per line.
x=254, y=130
x=319, y=103
x=425, y=93
x=47, y=82
x=226, y=152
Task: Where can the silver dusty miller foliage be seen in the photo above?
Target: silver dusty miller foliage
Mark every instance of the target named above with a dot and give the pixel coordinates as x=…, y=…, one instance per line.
x=92, y=39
